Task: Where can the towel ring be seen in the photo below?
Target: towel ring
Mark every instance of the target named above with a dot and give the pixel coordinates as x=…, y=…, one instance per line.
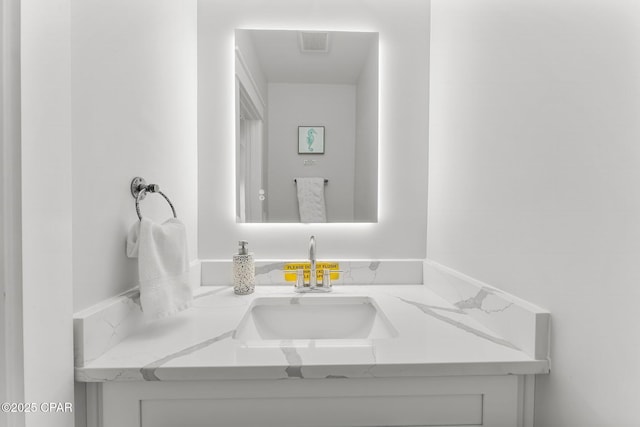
x=139, y=190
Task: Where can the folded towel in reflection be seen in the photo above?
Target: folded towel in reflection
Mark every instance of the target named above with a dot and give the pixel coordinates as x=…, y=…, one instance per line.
x=311, y=199
x=163, y=266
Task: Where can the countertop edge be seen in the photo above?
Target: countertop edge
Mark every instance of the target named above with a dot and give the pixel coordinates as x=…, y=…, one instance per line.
x=222, y=373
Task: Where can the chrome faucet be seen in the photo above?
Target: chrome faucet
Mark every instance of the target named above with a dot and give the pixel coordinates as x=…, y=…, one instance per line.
x=313, y=279
x=313, y=273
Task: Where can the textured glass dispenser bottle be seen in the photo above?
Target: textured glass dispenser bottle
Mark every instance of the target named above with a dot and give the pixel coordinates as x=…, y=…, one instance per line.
x=243, y=270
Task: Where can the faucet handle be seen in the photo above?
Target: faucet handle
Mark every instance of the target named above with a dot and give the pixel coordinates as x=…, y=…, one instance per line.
x=299, y=278
x=326, y=277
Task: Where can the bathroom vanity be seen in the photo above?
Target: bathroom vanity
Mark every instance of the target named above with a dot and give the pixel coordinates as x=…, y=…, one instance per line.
x=449, y=352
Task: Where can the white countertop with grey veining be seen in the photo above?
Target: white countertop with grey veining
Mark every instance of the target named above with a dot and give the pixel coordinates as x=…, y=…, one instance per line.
x=435, y=338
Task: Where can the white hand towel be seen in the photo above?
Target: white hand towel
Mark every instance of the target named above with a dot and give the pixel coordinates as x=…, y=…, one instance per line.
x=163, y=266
x=311, y=199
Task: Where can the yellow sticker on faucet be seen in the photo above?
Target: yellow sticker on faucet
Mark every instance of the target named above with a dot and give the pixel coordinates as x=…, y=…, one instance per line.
x=291, y=269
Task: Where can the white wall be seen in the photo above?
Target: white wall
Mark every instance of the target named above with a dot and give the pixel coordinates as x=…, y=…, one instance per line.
x=11, y=340
x=534, y=172
x=46, y=208
x=134, y=74
x=292, y=105
x=404, y=47
x=366, y=158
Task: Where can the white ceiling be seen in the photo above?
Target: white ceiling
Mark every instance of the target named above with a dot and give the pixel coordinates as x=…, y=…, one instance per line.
x=282, y=62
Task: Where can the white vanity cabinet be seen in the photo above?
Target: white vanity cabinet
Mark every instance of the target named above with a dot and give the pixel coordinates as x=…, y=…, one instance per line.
x=427, y=401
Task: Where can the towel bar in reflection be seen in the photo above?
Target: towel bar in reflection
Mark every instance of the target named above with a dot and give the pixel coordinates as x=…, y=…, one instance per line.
x=326, y=181
x=139, y=190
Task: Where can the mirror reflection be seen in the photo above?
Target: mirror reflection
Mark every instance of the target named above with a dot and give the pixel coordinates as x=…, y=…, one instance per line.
x=306, y=126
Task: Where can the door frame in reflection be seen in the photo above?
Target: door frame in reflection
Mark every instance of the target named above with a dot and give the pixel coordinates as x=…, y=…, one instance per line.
x=250, y=160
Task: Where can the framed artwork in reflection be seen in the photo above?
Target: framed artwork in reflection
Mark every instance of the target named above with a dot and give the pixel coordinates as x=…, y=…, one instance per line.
x=310, y=139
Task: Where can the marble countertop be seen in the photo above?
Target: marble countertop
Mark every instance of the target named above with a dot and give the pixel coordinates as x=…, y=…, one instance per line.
x=435, y=338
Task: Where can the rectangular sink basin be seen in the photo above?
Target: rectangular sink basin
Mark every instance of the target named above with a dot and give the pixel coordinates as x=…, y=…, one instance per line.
x=314, y=318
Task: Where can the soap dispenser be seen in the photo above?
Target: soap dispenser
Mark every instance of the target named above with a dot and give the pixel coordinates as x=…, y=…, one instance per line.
x=243, y=270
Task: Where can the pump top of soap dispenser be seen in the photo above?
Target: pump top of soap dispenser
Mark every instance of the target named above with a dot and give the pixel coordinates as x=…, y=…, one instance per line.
x=243, y=247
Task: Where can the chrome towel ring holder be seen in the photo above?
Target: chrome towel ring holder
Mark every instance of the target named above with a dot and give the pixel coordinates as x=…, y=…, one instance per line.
x=139, y=190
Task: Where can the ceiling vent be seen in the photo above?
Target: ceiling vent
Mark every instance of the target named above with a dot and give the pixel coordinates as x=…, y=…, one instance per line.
x=314, y=42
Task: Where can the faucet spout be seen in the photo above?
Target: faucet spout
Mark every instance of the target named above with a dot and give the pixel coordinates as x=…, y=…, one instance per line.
x=313, y=280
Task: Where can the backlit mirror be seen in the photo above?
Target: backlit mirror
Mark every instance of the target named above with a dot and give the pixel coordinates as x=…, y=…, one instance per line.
x=306, y=126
